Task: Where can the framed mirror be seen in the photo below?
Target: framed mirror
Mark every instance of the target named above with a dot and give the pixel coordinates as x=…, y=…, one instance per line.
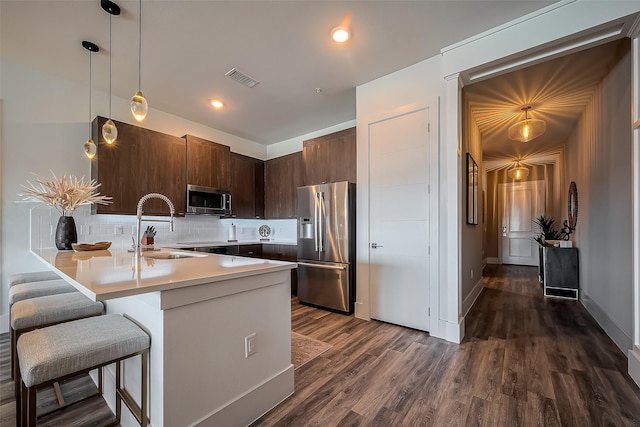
x=573, y=205
x=472, y=191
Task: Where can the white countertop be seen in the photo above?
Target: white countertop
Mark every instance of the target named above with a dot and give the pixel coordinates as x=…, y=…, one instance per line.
x=227, y=243
x=108, y=274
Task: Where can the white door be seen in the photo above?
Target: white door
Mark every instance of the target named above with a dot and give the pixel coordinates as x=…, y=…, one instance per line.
x=520, y=204
x=399, y=219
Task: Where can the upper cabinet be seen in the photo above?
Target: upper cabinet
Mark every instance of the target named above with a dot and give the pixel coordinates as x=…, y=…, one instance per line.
x=330, y=158
x=247, y=186
x=141, y=161
x=282, y=176
x=208, y=163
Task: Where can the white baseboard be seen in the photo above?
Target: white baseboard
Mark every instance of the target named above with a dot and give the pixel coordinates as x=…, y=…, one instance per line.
x=617, y=335
x=634, y=364
x=4, y=323
x=471, y=298
x=493, y=260
x=453, y=332
x=236, y=413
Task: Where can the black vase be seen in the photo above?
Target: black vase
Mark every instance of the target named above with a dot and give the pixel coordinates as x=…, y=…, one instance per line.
x=66, y=233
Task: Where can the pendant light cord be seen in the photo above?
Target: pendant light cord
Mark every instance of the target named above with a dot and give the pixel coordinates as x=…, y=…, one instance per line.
x=110, y=55
x=90, y=86
x=140, y=45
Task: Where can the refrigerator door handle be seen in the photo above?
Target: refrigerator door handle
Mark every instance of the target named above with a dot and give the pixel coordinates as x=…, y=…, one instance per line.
x=315, y=222
x=320, y=217
x=326, y=267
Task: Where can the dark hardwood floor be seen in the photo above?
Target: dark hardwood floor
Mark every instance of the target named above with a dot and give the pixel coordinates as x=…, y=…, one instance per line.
x=525, y=361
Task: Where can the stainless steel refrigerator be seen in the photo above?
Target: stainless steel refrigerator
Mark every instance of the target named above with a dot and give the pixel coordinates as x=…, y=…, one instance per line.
x=326, y=245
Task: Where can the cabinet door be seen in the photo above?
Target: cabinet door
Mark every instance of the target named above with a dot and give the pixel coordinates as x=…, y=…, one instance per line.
x=283, y=175
x=254, y=251
x=280, y=252
x=247, y=186
x=208, y=163
x=330, y=158
x=166, y=171
x=121, y=168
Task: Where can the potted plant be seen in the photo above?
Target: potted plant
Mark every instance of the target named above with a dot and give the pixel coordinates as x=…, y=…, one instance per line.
x=547, y=231
x=66, y=194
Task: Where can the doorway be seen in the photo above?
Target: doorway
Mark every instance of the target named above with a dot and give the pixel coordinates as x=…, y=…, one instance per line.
x=399, y=219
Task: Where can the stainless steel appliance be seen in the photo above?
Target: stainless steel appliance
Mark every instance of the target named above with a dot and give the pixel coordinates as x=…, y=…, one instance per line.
x=326, y=245
x=207, y=200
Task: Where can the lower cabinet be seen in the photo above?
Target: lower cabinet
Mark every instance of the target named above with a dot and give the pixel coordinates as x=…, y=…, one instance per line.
x=560, y=272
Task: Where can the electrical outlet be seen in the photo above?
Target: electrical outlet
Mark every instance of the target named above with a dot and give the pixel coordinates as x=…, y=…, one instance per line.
x=250, y=345
x=118, y=229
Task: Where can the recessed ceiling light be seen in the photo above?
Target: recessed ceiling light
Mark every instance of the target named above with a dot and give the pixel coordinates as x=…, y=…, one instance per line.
x=340, y=34
x=216, y=104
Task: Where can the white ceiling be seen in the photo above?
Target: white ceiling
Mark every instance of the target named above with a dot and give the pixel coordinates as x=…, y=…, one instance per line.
x=188, y=46
x=558, y=92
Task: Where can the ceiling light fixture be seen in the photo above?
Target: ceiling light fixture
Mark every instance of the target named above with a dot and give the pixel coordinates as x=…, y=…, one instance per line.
x=109, y=129
x=518, y=172
x=527, y=129
x=340, y=34
x=139, y=104
x=216, y=104
x=90, y=148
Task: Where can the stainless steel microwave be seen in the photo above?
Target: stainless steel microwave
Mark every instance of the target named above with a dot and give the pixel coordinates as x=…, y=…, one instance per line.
x=208, y=201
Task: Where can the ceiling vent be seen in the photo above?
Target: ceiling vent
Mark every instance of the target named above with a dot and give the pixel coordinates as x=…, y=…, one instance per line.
x=241, y=78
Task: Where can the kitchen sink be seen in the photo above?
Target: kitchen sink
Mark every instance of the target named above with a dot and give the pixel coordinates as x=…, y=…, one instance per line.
x=172, y=255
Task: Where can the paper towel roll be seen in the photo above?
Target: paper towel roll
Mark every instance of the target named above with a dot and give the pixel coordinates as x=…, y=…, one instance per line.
x=232, y=233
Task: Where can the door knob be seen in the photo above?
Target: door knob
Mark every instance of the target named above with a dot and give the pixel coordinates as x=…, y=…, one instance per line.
x=375, y=245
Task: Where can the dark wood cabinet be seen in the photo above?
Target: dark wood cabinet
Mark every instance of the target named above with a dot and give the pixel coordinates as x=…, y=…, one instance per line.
x=283, y=175
x=141, y=161
x=254, y=251
x=208, y=163
x=247, y=186
x=330, y=158
x=280, y=252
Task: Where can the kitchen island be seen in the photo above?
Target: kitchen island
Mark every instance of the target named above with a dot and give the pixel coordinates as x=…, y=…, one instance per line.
x=200, y=311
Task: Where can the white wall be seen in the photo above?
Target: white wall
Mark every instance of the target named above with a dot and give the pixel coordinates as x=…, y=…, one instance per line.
x=599, y=161
x=415, y=87
x=471, y=255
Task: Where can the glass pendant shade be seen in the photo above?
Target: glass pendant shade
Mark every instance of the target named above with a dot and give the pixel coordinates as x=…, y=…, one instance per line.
x=139, y=106
x=90, y=149
x=527, y=129
x=109, y=132
x=519, y=172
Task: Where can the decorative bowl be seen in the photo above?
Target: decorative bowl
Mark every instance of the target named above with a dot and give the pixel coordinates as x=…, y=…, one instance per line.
x=98, y=246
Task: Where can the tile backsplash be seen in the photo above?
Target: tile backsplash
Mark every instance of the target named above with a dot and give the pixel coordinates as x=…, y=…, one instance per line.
x=120, y=229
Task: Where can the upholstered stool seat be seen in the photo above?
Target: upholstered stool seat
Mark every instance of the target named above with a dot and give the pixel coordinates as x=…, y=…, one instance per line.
x=24, y=291
x=68, y=349
x=36, y=276
x=39, y=312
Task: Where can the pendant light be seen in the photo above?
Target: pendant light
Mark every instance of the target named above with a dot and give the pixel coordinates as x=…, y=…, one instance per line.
x=518, y=172
x=109, y=129
x=527, y=129
x=90, y=148
x=139, y=105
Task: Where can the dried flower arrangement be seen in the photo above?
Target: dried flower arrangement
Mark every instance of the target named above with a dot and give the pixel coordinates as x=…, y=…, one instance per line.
x=65, y=194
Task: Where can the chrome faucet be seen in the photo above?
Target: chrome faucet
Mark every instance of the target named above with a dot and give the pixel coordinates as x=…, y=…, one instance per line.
x=143, y=199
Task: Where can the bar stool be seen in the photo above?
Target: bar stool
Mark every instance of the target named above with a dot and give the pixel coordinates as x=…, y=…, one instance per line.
x=37, y=284
x=23, y=286
x=66, y=350
x=34, y=313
